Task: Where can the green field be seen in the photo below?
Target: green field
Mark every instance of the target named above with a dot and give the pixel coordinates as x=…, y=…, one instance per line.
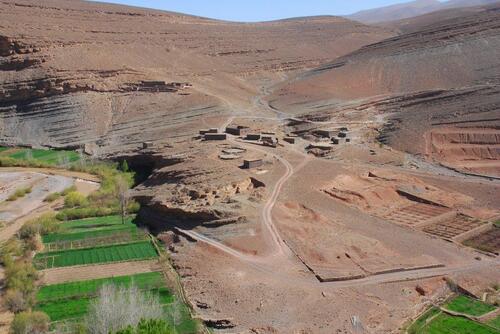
x=466, y=305
x=145, y=281
x=114, y=253
x=446, y=324
x=435, y=321
x=95, y=239
x=65, y=309
x=74, y=236
x=96, y=224
x=70, y=301
x=421, y=322
x=50, y=157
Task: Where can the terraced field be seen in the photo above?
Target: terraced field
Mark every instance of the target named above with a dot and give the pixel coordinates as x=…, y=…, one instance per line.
x=71, y=300
x=93, y=242
x=105, y=254
x=435, y=321
x=466, y=305
x=94, y=232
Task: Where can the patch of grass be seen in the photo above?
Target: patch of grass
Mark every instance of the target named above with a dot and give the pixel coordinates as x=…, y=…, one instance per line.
x=50, y=157
x=19, y=193
x=467, y=305
x=115, y=253
x=92, y=234
x=52, y=197
x=75, y=297
x=447, y=324
x=97, y=239
x=65, y=309
x=96, y=224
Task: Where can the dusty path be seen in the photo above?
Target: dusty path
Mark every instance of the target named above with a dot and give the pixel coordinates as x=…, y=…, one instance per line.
x=282, y=254
x=83, y=273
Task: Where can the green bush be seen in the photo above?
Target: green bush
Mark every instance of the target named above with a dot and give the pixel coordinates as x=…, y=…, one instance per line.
x=52, y=197
x=20, y=275
x=68, y=190
x=80, y=213
x=148, y=327
x=11, y=162
x=10, y=249
x=43, y=225
x=75, y=200
x=30, y=323
x=21, y=192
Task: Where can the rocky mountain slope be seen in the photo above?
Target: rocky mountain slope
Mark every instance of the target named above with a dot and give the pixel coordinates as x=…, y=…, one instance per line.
x=412, y=9
x=82, y=72
x=447, y=74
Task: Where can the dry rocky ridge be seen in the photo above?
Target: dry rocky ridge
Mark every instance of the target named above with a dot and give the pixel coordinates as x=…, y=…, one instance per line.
x=254, y=247
x=412, y=9
x=66, y=79
x=427, y=79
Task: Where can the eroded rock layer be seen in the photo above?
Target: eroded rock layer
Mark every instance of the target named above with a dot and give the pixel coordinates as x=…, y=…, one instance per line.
x=86, y=72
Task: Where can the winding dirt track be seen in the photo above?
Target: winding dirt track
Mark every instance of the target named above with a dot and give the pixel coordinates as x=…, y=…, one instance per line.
x=282, y=254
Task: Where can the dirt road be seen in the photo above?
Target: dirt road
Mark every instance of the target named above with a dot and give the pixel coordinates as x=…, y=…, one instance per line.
x=280, y=251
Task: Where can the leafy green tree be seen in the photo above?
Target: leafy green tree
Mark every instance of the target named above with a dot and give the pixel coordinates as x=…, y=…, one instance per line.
x=124, y=166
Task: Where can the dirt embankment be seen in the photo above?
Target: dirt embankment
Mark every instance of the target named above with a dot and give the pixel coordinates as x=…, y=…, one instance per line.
x=471, y=149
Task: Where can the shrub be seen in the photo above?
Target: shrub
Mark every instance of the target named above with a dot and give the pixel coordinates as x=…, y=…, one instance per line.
x=30, y=323
x=80, y=213
x=151, y=326
x=14, y=301
x=11, y=248
x=52, y=197
x=74, y=200
x=43, y=225
x=21, y=192
x=116, y=308
x=68, y=190
x=21, y=276
x=28, y=231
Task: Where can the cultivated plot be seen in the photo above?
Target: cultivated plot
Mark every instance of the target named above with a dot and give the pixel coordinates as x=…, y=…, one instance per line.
x=105, y=254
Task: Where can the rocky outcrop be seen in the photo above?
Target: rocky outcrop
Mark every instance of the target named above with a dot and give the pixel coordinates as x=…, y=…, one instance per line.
x=199, y=191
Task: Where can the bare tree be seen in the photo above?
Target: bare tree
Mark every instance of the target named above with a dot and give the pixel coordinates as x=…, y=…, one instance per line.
x=123, y=196
x=175, y=312
x=118, y=307
x=28, y=155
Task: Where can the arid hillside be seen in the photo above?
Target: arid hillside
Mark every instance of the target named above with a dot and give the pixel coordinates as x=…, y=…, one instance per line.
x=76, y=74
x=412, y=9
x=445, y=75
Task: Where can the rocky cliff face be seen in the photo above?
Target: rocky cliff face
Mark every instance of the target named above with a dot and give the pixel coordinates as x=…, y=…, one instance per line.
x=197, y=190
